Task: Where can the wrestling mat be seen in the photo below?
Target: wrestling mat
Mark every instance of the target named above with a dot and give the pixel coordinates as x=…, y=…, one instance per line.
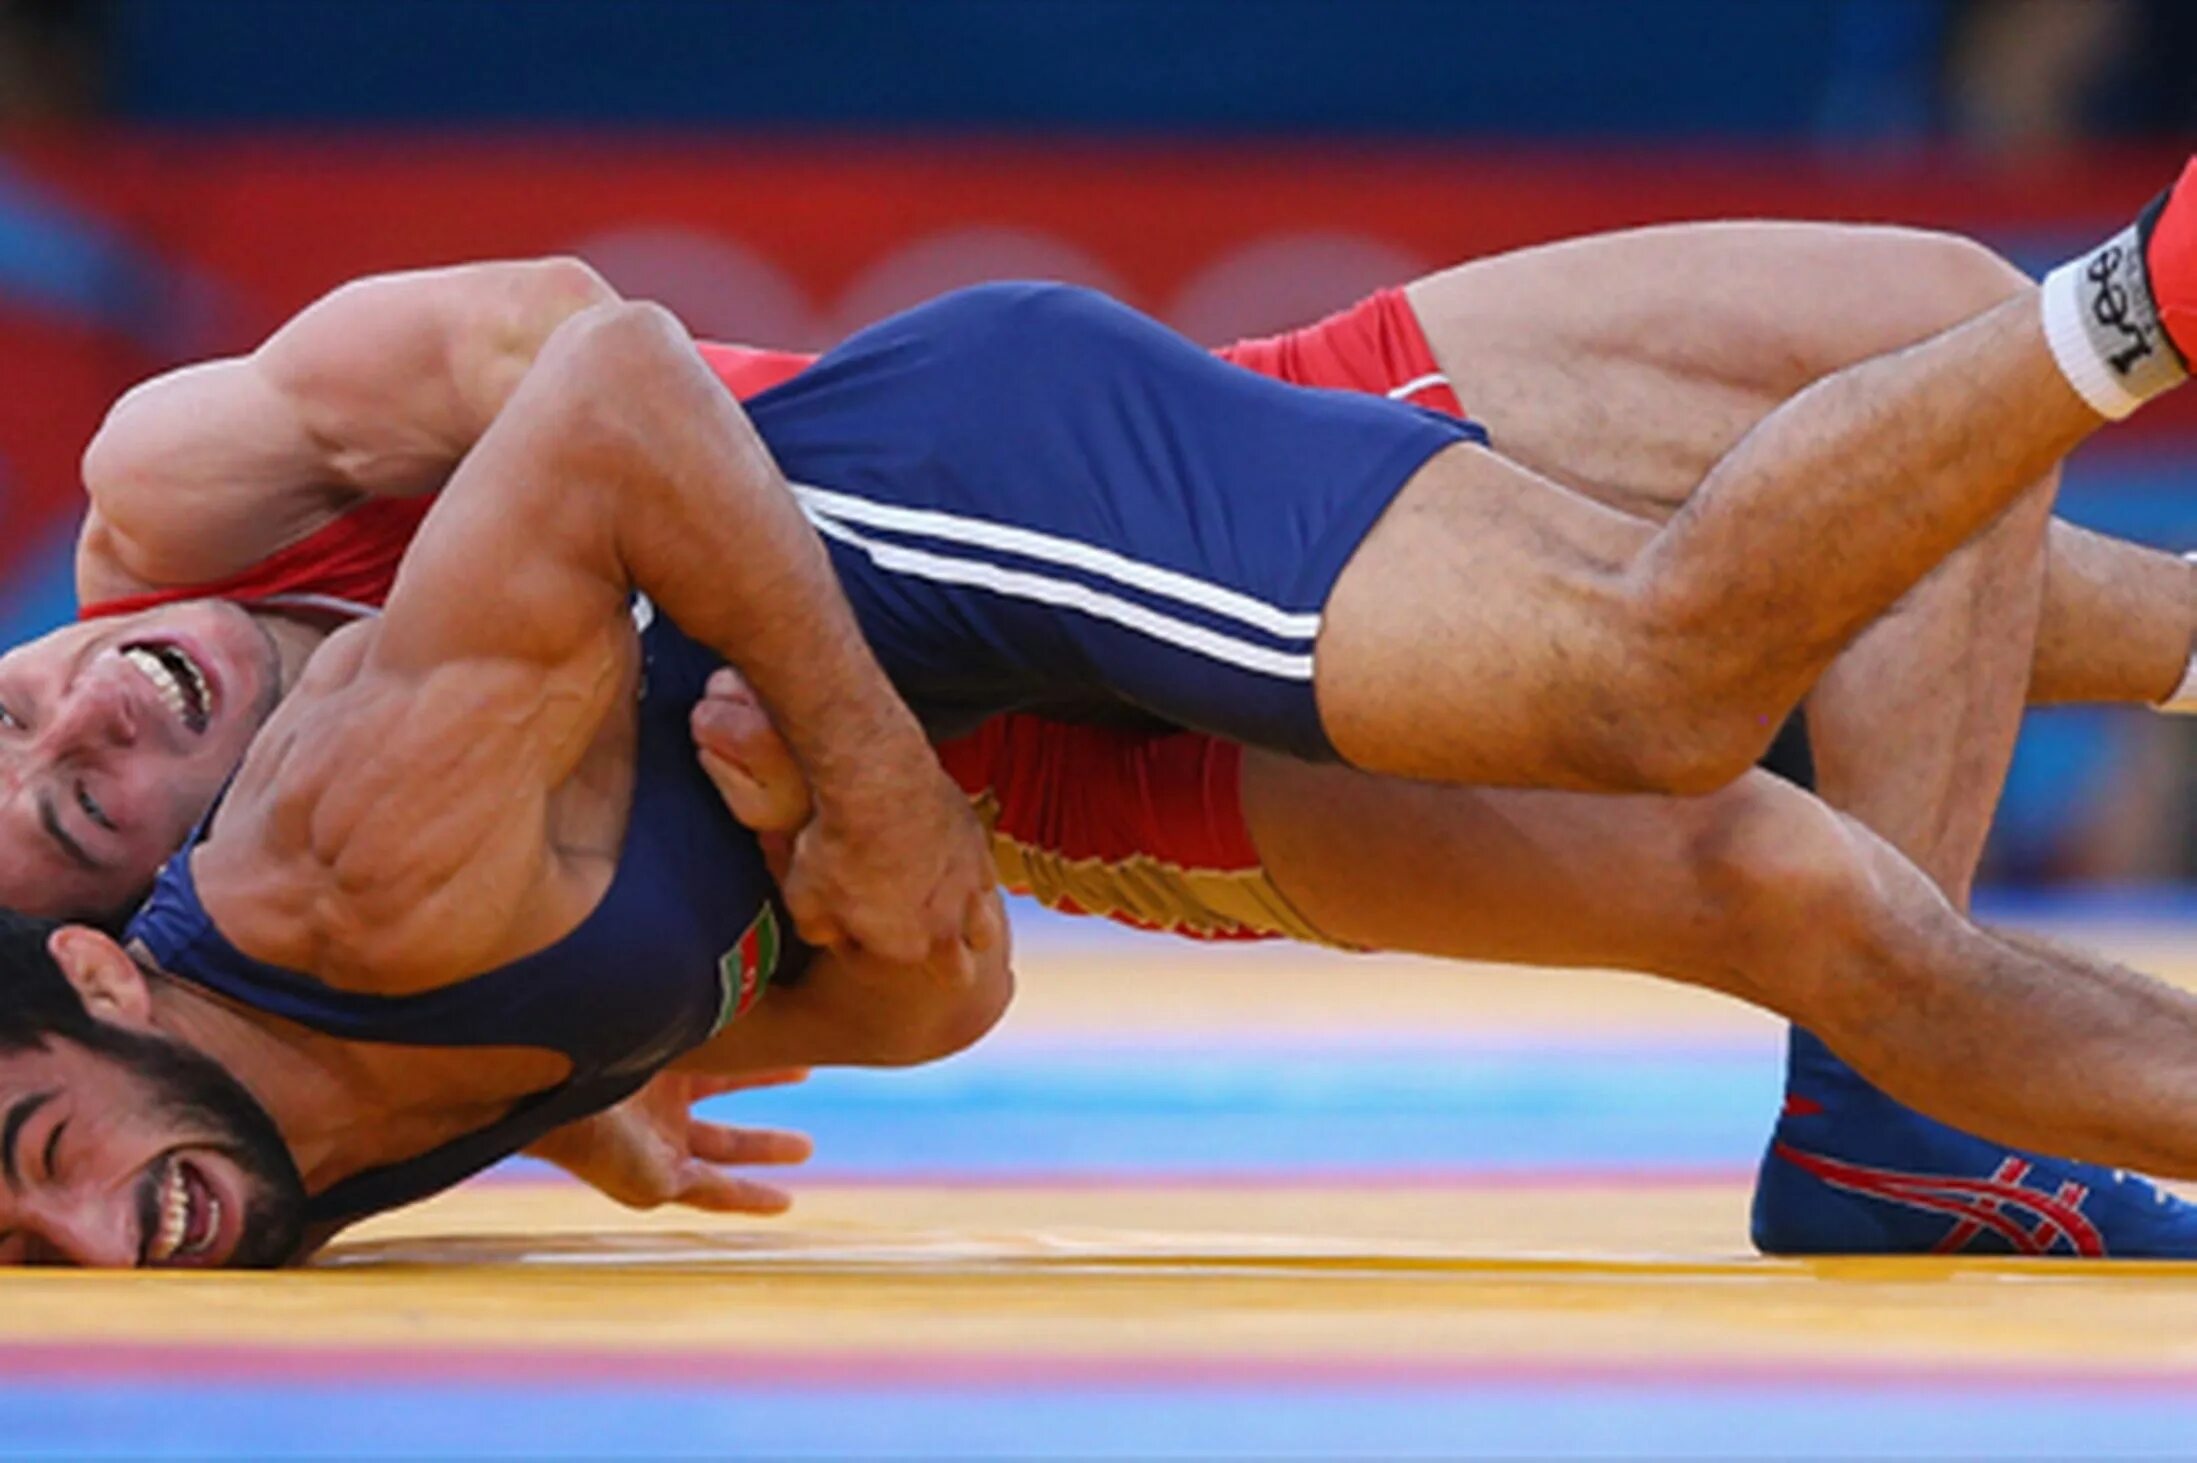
x=1254, y=1202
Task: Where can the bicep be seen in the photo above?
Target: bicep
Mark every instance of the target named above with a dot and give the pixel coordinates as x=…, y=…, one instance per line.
x=378, y=388
x=196, y=475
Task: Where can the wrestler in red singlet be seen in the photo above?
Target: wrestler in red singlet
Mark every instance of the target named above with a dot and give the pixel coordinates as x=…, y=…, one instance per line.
x=1142, y=827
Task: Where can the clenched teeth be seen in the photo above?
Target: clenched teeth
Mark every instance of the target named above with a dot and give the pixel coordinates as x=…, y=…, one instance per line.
x=181, y=684
x=175, y=1215
x=179, y=1237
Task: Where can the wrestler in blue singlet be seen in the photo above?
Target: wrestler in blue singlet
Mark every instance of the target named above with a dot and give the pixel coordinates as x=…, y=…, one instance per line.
x=687, y=933
x=1037, y=498
x=1033, y=498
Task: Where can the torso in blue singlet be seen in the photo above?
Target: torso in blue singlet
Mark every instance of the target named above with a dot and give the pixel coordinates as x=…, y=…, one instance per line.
x=687, y=933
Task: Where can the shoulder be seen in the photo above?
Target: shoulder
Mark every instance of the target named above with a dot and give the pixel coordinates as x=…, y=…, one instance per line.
x=391, y=834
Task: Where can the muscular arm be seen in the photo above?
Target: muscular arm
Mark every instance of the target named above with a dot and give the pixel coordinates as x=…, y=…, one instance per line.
x=618, y=464
x=379, y=388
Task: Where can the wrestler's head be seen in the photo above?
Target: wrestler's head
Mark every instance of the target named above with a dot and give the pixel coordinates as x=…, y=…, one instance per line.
x=120, y=1146
x=115, y=737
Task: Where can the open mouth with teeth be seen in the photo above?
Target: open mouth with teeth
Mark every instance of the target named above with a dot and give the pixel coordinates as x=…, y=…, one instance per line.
x=182, y=684
x=189, y=1216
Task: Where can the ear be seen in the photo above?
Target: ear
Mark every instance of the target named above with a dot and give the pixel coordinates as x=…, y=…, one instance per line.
x=111, y=984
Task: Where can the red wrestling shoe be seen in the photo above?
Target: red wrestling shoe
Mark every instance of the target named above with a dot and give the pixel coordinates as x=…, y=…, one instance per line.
x=2169, y=231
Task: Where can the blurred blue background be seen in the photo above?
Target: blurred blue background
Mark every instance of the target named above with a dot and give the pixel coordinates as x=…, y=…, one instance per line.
x=178, y=174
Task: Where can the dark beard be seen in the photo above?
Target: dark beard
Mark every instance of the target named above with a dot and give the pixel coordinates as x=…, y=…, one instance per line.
x=200, y=1096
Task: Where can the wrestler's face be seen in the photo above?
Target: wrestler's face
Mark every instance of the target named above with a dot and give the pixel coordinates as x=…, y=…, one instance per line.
x=138, y=1152
x=115, y=737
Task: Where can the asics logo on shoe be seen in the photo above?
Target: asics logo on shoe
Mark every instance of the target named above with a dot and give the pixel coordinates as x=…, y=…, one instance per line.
x=1993, y=1205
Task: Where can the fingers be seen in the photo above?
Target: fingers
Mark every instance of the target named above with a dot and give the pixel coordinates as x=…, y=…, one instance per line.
x=739, y=728
x=716, y=1192
x=727, y=684
x=749, y=762
x=984, y=923
x=717, y=1143
x=765, y=804
x=951, y=964
x=777, y=854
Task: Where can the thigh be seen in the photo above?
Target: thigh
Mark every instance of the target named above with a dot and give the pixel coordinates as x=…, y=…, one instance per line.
x=1626, y=364
x=1480, y=633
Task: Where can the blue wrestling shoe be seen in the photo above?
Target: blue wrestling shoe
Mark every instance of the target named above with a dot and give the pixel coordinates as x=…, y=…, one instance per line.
x=1851, y=1172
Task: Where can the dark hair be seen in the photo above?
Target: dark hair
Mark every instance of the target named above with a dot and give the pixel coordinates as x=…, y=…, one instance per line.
x=37, y=1002
x=38, y=1006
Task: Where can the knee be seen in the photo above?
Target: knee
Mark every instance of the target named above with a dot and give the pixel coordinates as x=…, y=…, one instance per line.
x=1783, y=887
x=1954, y=276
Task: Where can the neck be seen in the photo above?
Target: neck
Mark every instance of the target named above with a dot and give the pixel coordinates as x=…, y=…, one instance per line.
x=345, y=1107
x=294, y=638
x=325, y=1103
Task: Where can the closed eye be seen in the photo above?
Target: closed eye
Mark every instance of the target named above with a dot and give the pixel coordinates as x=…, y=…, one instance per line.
x=92, y=809
x=49, y=818
x=51, y=1153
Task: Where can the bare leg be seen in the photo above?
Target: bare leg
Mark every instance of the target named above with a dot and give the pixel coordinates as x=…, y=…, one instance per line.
x=2119, y=624
x=1625, y=365
x=1570, y=662
x=1762, y=892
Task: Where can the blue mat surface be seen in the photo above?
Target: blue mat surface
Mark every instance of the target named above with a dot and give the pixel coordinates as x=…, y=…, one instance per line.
x=1575, y=1418
x=1271, y=1111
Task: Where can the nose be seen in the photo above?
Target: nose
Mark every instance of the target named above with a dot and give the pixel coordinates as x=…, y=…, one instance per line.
x=96, y=1234
x=95, y=711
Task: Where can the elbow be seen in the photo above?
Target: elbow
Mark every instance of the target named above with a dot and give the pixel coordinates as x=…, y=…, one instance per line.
x=952, y=1022
x=565, y=283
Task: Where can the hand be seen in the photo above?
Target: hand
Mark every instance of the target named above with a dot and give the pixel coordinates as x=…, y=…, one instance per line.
x=651, y=1150
x=904, y=874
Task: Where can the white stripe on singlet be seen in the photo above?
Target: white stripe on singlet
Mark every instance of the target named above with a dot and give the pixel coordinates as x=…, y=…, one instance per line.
x=1021, y=584
x=1032, y=544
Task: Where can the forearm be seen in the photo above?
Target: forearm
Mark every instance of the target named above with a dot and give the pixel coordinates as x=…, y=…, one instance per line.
x=857, y=1012
x=706, y=526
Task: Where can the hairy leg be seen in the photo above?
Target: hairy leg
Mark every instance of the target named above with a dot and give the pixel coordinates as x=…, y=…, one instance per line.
x=1625, y=365
x=2119, y=622
x=1763, y=892
x=1913, y=724
x=1668, y=668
